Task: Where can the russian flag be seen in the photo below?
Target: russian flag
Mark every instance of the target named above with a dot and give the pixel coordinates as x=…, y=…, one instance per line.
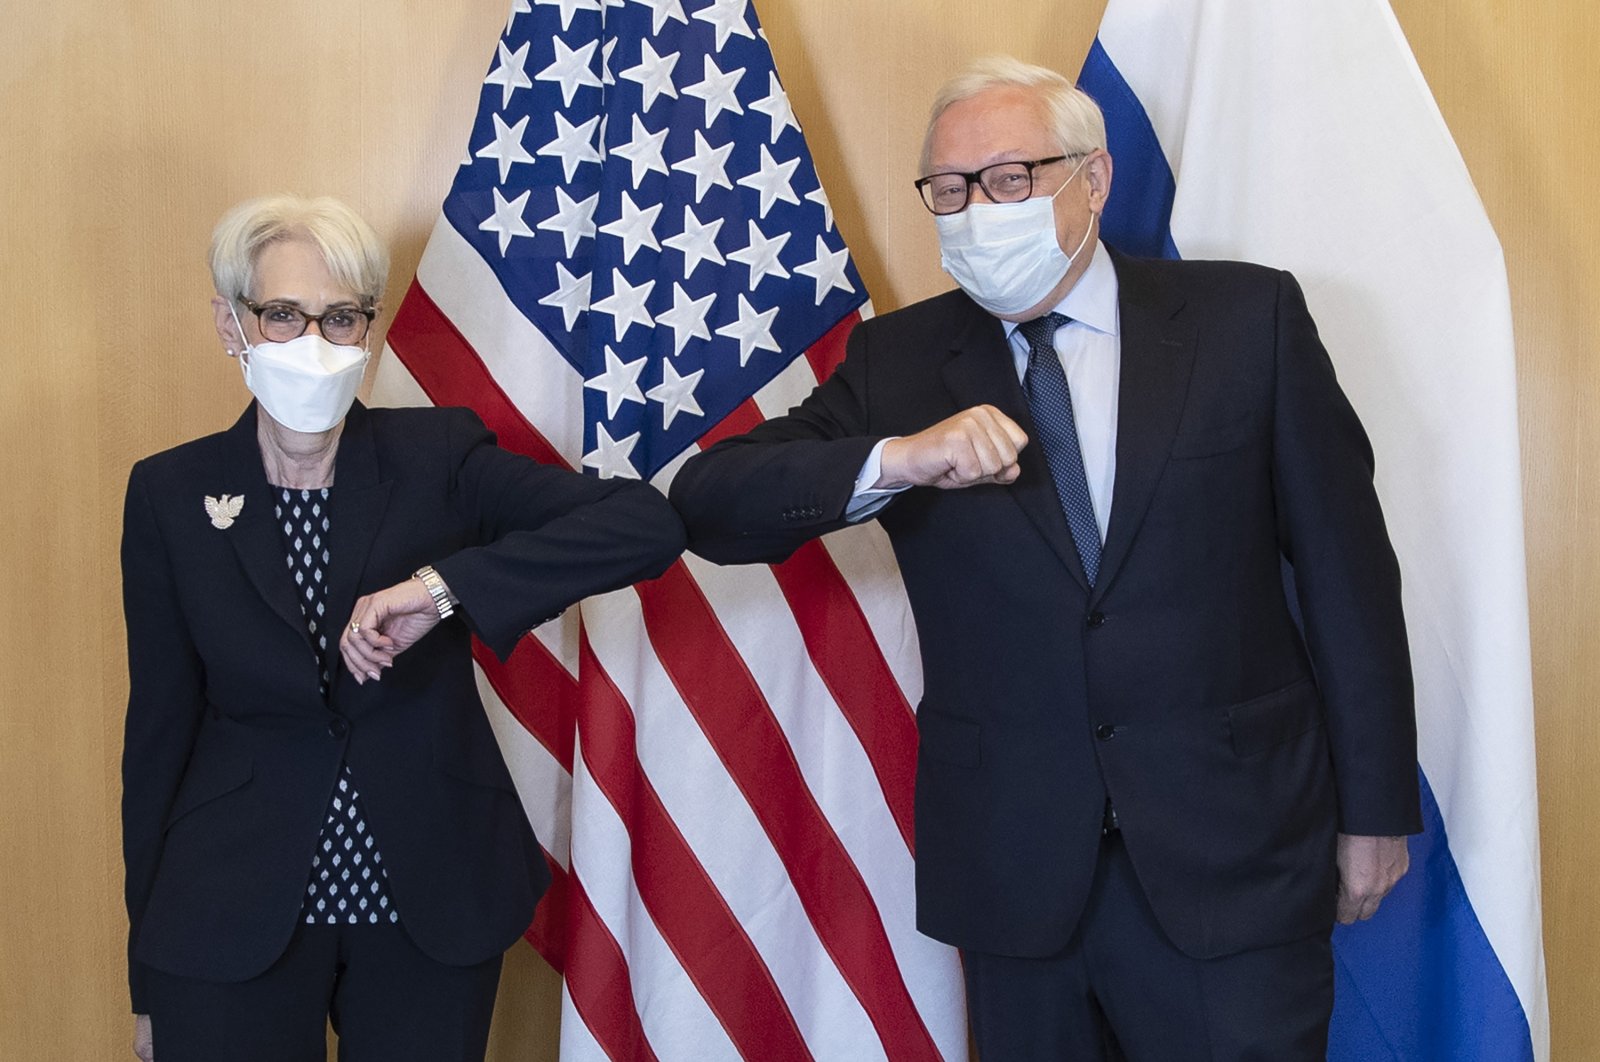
x=1302, y=135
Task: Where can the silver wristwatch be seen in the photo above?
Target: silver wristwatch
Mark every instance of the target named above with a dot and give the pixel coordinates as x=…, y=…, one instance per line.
x=443, y=600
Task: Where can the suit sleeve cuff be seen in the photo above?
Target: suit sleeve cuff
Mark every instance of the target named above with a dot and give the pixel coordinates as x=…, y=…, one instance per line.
x=866, y=500
x=138, y=991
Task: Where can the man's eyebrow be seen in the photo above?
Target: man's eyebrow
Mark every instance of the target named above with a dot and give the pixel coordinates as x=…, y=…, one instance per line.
x=994, y=157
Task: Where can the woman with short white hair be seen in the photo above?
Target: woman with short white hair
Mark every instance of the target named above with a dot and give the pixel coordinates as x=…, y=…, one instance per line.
x=317, y=821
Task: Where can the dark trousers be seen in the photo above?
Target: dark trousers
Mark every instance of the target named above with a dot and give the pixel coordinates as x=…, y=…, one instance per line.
x=386, y=1000
x=1120, y=990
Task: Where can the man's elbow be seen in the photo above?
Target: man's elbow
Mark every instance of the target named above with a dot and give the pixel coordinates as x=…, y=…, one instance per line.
x=743, y=548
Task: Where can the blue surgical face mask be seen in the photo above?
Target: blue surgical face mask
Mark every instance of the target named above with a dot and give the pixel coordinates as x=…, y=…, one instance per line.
x=1006, y=255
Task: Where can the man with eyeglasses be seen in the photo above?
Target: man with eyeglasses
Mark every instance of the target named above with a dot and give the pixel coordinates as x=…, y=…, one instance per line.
x=1153, y=769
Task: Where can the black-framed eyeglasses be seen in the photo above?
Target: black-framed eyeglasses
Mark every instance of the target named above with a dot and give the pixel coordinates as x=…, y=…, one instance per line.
x=281, y=322
x=1003, y=182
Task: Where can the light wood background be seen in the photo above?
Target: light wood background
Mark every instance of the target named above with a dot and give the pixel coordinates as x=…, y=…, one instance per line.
x=126, y=129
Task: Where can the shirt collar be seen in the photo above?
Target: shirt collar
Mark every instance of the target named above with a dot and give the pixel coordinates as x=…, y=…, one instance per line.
x=1092, y=301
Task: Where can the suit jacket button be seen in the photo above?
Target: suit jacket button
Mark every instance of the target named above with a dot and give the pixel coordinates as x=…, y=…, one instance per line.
x=1105, y=731
x=1096, y=620
x=337, y=727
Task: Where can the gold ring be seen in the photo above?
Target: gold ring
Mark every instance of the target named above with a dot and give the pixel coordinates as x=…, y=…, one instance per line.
x=355, y=628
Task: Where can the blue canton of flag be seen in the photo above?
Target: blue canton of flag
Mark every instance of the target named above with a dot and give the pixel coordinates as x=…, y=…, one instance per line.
x=639, y=185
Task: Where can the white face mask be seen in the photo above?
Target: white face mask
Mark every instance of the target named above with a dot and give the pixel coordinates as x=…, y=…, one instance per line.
x=1006, y=255
x=306, y=384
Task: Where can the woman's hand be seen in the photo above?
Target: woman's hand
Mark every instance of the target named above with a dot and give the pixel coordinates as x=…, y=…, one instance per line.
x=384, y=625
x=143, y=1045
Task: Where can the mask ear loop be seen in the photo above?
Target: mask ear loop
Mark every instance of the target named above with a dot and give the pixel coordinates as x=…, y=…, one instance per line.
x=1088, y=229
x=1075, y=171
x=244, y=340
x=244, y=347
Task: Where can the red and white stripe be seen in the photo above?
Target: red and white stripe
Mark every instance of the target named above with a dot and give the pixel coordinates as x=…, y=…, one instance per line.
x=719, y=762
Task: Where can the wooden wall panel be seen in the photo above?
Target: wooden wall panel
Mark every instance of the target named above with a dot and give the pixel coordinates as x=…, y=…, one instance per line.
x=124, y=137
x=123, y=134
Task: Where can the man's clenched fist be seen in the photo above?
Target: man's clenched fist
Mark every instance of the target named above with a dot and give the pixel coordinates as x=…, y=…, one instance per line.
x=977, y=445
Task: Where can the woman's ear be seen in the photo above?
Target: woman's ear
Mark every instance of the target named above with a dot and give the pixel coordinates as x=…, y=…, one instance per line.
x=227, y=326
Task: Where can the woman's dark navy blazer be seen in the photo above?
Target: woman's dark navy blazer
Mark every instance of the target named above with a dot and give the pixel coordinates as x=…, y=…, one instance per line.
x=231, y=752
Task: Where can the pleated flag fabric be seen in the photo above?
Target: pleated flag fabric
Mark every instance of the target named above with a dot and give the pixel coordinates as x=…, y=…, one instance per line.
x=635, y=259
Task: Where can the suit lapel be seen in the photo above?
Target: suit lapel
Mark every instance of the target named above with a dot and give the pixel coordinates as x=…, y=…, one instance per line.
x=1157, y=359
x=255, y=536
x=981, y=371
x=359, y=500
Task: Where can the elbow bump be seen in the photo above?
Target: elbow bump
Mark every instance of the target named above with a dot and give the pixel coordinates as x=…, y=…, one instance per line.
x=671, y=534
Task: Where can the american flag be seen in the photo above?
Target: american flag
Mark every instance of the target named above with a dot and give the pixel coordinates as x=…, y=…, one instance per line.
x=635, y=259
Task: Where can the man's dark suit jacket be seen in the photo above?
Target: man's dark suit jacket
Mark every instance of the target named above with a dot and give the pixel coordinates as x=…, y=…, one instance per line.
x=231, y=752
x=1232, y=746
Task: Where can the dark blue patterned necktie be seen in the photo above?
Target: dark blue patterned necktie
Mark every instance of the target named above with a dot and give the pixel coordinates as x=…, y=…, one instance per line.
x=1050, y=402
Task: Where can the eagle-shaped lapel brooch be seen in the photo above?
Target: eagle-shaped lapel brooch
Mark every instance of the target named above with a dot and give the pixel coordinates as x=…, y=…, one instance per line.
x=224, y=510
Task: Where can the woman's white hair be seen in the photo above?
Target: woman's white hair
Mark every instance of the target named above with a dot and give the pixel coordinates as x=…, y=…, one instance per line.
x=1074, y=116
x=353, y=253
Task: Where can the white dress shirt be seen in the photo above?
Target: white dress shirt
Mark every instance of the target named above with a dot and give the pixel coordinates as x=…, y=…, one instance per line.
x=1090, y=349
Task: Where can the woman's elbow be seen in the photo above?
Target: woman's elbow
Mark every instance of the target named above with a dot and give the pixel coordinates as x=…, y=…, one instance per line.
x=664, y=533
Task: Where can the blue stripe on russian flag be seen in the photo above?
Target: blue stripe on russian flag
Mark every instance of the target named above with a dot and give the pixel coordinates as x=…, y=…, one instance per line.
x=1420, y=980
x=1136, y=219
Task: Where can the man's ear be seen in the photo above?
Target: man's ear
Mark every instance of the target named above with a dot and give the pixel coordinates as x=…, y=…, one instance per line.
x=1098, y=172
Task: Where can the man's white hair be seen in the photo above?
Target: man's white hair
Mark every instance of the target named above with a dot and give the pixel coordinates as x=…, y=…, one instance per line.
x=1073, y=115
x=353, y=253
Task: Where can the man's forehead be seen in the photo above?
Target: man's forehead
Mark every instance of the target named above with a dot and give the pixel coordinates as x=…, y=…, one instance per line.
x=995, y=125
